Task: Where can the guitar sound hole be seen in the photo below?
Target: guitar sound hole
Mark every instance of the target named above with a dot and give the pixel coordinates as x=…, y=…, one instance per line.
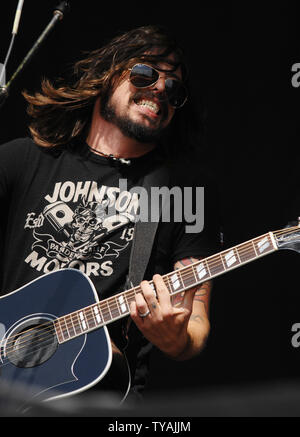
x=31, y=344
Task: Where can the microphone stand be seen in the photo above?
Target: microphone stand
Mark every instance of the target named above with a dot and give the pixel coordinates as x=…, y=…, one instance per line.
x=58, y=15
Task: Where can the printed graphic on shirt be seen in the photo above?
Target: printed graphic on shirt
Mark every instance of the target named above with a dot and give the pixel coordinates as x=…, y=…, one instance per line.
x=83, y=226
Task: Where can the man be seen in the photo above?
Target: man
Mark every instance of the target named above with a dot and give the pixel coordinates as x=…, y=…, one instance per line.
x=119, y=118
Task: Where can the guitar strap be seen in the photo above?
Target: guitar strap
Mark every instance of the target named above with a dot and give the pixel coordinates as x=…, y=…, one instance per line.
x=144, y=234
x=144, y=231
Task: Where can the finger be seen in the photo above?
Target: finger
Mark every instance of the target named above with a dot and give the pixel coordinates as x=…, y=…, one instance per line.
x=134, y=313
x=141, y=304
x=149, y=296
x=133, y=309
x=163, y=294
x=189, y=299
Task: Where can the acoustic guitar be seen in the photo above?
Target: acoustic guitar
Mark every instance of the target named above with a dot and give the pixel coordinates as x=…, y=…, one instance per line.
x=53, y=335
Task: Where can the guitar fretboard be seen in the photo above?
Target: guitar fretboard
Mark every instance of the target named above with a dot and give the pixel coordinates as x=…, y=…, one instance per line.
x=118, y=306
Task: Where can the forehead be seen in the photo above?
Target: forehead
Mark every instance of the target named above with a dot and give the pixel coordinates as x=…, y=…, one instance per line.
x=169, y=69
x=168, y=64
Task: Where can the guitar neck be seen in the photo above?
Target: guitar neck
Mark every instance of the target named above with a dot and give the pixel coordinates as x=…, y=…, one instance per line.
x=118, y=306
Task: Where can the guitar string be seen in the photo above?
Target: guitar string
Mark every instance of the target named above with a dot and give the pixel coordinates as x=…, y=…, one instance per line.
x=70, y=325
x=117, y=305
x=110, y=308
x=189, y=272
x=129, y=294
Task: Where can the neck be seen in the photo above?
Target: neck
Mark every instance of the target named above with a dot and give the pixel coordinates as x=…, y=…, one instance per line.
x=107, y=139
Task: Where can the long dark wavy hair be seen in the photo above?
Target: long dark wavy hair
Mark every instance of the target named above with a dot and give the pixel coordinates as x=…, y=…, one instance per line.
x=61, y=113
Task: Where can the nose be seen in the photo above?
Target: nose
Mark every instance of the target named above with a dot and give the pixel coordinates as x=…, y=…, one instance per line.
x=160, y=85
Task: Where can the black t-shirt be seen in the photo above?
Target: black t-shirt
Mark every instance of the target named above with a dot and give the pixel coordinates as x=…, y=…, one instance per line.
x=69, y=207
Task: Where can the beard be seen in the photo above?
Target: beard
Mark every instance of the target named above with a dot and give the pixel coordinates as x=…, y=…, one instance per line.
x=132, y=129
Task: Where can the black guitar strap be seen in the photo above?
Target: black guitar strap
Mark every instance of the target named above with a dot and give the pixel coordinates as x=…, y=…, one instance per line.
x=144, y=231
x=144, y=234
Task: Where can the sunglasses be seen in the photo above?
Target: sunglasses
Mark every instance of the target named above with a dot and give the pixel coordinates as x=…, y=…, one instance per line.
x=144, y=76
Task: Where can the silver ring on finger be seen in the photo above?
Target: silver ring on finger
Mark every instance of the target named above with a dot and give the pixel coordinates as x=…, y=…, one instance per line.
x=142, y=315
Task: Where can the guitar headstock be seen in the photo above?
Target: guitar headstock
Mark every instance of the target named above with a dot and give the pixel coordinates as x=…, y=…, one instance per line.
x=289, y=237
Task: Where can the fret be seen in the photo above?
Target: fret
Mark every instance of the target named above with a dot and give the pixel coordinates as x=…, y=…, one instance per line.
x=114, y=308
x=58, y=331
x=90, y=318
x=230, y=259
x=237, y=254
x=76, y=323
x=272, y=238
x=70, y=326
x=194, y=273
x=129, y=297
x=246, y=252
x=263, y=245
x=215, y=266
x=79, y=326
x=123, y=306
x=151, y=283
x=222, y=261
x=202, y=270
x=64, y=329
x=119, y=305
x=97, y=315
x=106, y=314
x=176, y=282
x=109, y=310
x=83, y=322
x=188, y=277
x=254, y=247
x=93, y=316
x=168, y=284
x=101, y=312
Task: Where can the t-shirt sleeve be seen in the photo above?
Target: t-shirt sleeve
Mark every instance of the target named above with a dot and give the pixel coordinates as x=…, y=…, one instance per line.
x=198, y=235
x=12, y=158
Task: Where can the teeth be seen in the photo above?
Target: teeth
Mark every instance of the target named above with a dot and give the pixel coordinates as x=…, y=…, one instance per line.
x=151, y=105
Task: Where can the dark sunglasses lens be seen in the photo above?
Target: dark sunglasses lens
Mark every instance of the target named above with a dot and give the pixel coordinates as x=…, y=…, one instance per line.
x=176, y=92
x=142, y=76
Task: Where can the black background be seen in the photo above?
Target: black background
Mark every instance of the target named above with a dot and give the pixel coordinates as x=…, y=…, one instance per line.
x=240, y=64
